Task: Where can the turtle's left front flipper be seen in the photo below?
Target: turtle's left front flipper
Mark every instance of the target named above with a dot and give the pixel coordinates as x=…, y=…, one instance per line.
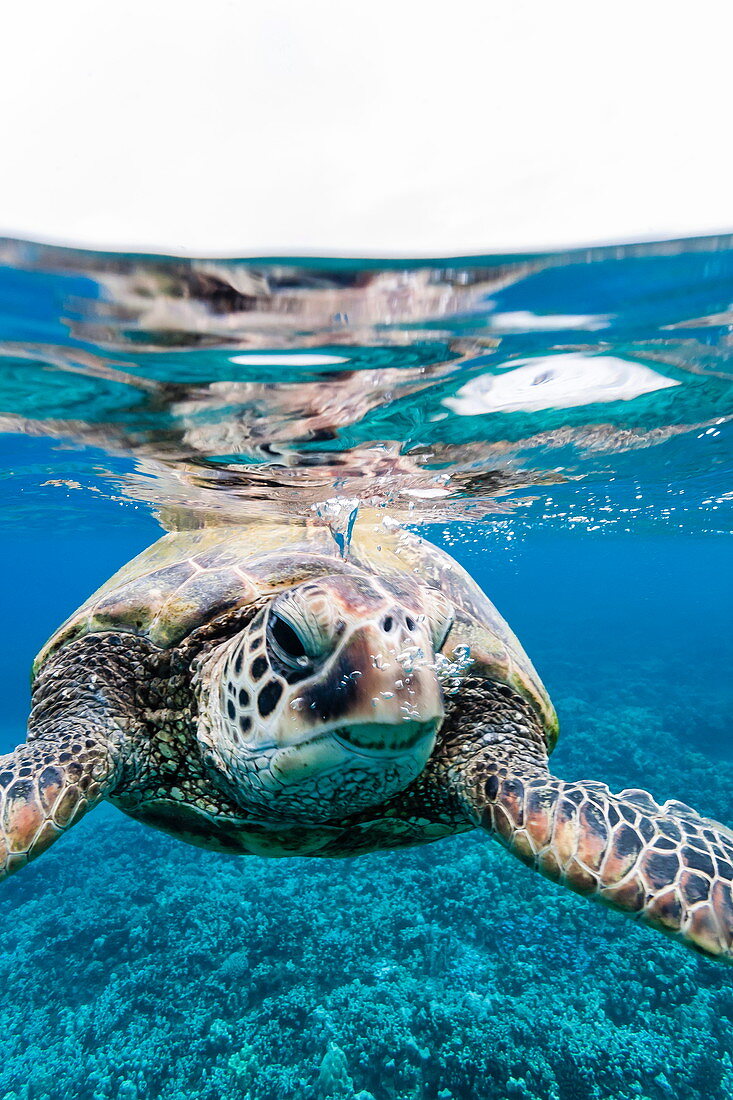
x=665, y=863
x=46, y=786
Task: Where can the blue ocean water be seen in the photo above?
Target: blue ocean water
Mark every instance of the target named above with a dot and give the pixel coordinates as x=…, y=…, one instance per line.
x=561, y=425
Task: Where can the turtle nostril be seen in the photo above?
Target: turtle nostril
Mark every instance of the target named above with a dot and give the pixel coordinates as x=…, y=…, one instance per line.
x=387, y=623
x=410, y=623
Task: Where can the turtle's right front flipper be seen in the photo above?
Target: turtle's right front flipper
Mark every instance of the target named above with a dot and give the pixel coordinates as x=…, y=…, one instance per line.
x=665, y=864
x=45, y=787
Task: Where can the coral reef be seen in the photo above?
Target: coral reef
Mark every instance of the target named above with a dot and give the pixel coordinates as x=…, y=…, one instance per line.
x=133, y=967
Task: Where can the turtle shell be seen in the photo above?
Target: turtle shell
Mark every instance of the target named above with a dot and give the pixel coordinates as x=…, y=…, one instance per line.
x=188, y=578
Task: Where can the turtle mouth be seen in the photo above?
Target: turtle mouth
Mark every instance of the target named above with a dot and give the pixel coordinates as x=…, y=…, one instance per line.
x=383, y=739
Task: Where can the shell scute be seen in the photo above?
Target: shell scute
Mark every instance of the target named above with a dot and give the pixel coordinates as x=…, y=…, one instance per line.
x=219, y=557
x=285, y=569
x=207, y=594
x=134, y=606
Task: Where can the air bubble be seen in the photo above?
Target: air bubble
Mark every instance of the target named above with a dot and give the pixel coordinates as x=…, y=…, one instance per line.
x=450, y=672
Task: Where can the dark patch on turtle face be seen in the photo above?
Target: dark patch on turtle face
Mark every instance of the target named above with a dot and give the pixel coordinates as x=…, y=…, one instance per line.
x=366, y=589
x=238, y=662
x=335, y=695
x=269, y=697
x=293, y=675
x=245, y=723
x=231, y=710
x=243, y=697
x=259, y=667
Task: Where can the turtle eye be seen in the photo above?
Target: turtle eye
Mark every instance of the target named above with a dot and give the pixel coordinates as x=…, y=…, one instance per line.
x=286, y=642
x=301, y=627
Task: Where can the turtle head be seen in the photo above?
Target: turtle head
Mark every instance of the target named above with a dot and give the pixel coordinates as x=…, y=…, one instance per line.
x=328, y=701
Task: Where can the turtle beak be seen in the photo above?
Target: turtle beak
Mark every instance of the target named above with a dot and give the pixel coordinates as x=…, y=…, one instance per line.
x=381, y=691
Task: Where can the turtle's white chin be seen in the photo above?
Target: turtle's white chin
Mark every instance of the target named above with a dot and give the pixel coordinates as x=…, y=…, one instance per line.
x=338, y=772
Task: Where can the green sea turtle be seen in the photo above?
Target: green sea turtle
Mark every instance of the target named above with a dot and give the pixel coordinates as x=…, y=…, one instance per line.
x=251, y=690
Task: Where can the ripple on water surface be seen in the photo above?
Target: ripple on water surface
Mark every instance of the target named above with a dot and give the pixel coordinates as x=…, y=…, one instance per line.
x=589, y=388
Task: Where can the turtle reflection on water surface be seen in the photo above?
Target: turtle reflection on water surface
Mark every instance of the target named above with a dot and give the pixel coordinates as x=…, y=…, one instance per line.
x=250, y=690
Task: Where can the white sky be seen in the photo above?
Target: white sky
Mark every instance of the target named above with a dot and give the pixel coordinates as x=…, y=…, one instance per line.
x=370, y=127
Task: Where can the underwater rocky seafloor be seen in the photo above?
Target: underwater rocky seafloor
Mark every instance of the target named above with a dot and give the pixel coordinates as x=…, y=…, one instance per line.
x=133, y=966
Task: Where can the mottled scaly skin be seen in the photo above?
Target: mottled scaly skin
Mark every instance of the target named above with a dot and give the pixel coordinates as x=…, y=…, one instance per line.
x=70, y=761
x=664, y=864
